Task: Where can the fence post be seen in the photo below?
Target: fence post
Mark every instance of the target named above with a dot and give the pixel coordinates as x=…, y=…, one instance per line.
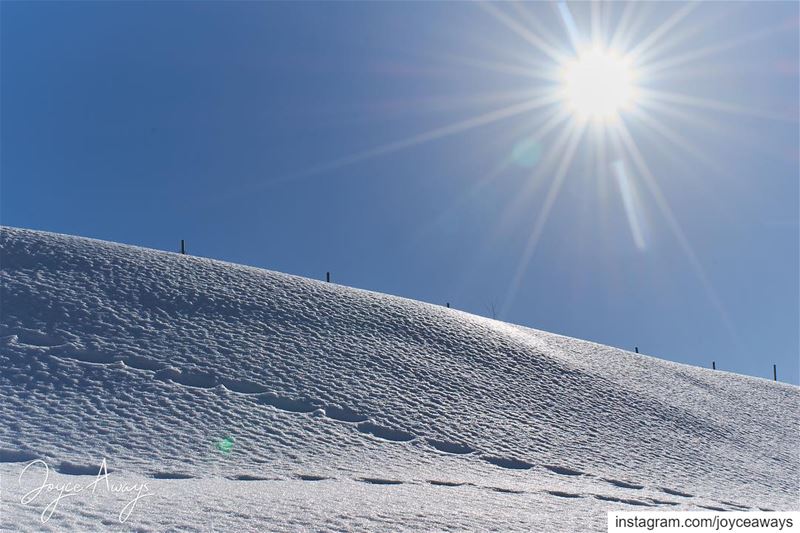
x=448, y=305
x=713, y=365
x=774, y=372
x=636, y=348
x=328, y=277
x=183, y=247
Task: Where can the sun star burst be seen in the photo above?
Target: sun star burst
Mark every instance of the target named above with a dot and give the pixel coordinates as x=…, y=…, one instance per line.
x=598, y=84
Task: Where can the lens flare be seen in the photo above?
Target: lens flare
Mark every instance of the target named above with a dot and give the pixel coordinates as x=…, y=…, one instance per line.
x=225, y=445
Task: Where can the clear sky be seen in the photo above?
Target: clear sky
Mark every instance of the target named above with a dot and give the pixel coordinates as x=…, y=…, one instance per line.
x=438, y=151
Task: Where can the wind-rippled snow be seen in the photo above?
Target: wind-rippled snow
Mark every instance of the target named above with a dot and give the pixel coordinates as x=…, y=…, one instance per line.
x=349, y=409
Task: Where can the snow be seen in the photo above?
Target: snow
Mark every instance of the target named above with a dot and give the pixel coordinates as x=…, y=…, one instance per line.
x=245, y=399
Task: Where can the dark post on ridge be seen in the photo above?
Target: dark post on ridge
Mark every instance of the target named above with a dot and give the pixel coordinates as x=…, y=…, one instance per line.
x=328, y=277
x=774, y=372
x=636, y=348
x=183, y=247
x=713, y=365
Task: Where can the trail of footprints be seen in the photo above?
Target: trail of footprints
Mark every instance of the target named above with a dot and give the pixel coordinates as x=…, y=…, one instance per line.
x=73, y=469
x=204, y=380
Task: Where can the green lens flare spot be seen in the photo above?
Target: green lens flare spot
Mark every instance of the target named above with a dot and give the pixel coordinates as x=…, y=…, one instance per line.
x=225, y=445
x=526, y=153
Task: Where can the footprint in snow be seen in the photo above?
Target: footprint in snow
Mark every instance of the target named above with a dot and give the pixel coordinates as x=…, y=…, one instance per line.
x=662, y=502
x=343, y=414
x=450, y=447
x=505, y=490
x=385, y=433
x=38, y=339
x=248, y=477
x=74, y=469
x=311, y=477
x=563, y=470
x=674, y=492
x=243, y=386
x=712, y=508
x=563, y=494
x=622, y=500
x=200, y=380
x=87, y=356
x=446, y=483
x=142, y=363
x=380, y=481
x=623, y=484
x=285, y=403
x=171, y=475
x=731, y=504
x=509, y=462
x=16, y=456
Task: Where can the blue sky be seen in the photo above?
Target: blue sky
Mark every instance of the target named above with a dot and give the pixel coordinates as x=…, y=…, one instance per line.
x=401, y=147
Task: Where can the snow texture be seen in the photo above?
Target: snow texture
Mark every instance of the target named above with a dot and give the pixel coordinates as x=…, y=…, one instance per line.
x=253, y=400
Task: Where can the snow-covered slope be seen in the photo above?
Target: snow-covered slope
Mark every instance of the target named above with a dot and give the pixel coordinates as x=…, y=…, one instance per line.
x=250, y=399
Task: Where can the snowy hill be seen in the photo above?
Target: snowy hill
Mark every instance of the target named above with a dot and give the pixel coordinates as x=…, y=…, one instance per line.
x=247, y=399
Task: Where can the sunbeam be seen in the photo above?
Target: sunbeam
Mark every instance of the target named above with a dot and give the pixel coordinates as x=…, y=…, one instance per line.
x=711, y=105
x=681, y=34
x=441, y=104
x=654, y=68
x=630, y=202
x=570, y=26
x=534, y=71
x=633, y=19
x=677, y=139
x=552, y=153
x=618, y=34
x=395, y=146
x=544, y=213
x=535, y=24
x=637, y=51
x=688, y=117
x=532, y=38
x=543, y=126
x=651, y=182
x=598, y=35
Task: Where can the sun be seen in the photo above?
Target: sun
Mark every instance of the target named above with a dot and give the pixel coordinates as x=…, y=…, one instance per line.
x=598, y=84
